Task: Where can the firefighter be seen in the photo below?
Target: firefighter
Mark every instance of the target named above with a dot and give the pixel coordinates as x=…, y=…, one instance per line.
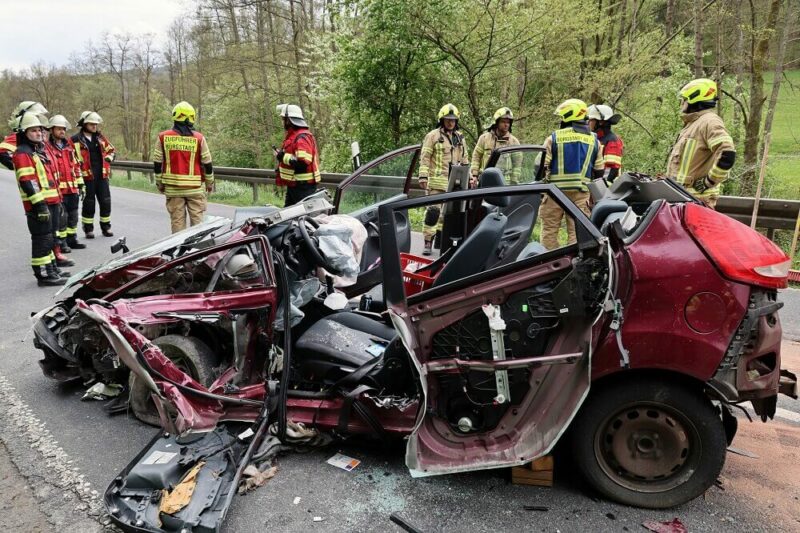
x=183, y=168
x=39, y=192
x=443, y=147
x=496, y=136
x=703, y=155
x=95, y=154
x=9, y=143
x=298, y=158
x=70, y=182
x=573, y=156
x=601, y=119
x=50, y=161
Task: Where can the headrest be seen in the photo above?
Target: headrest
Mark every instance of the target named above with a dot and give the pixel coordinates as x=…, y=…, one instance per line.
x=493, y=177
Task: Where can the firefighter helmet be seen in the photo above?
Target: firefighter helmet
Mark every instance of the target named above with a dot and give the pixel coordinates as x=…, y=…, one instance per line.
x=699, y=90
x=448, y=111
x=89, y=117
x=293, y=113
x=30, y=106
x=27, y=121
x=572, y=110
x=503, y=112
x=59, y=121
x=604, y=113
x=45, y=122
x=183, y=112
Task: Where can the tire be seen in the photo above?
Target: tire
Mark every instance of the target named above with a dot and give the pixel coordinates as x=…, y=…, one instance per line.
x=190, y=354
x=649, y=443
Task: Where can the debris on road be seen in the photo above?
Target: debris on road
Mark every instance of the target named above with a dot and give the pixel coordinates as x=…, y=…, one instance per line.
x=179, y=497
x=744, y=453
x=296, y=500
x=535, y=508
x=101, y=391
x=673, y=526
x=254, y=477
x=318, y=519
x=404, y=524
x=344, y=462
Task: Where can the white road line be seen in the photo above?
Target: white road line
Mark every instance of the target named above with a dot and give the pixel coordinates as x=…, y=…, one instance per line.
x=787, y=415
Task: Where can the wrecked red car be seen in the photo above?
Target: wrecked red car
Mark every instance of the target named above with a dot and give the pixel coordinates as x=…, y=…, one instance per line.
x=630, y=345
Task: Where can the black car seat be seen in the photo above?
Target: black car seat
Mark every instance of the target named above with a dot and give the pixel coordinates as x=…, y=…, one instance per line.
x=478, y=252
x=607, y=211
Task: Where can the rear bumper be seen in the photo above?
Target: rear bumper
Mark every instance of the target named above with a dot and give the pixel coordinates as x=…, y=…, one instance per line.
x=751, y=369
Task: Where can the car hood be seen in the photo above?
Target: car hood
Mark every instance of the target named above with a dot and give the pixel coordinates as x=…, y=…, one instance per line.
x=186, y=236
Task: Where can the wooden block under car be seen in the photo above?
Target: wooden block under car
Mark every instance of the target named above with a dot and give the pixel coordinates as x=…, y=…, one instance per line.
x=537, y=473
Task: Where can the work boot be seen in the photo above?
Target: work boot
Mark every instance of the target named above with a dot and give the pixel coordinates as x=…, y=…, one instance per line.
x=65, y=249
x=60, y=259
x=45, y=277
x=60, y=273
x=107, y=232
x=72, y=240
x=428, y=247
x=88, y=231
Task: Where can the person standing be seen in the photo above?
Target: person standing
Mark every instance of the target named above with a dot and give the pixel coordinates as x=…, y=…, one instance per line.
x=601, y=119
x=96, y=154
x=39, y=193
x=442, y=148
x=70, y=182
x=49, y=159
x=703, y=155
x=497, y=136
x=573, y=156
x=9, y=143
x=298, y=158
x=183, y=168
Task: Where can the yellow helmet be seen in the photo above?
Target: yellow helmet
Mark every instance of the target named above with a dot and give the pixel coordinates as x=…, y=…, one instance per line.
x=448, y=111
x=699, y=90
x=572, y=110
x=503, y=112
x=183, y=111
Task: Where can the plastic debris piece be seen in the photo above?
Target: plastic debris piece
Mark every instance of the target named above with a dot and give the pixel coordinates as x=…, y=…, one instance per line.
x=743, y=453
x=404, y=524
x=101, y=391
x=318, y=519
x=344, y=462
x=673, y=526
x=296, y=500
x=535, y=508
x=253, y=478
x=179, y=497
x=611, y=516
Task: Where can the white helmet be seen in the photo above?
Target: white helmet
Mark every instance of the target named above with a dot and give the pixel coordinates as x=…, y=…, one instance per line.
x=89, y=117
x=28, y=120
x=60, y=121
x=603, y=112
x=293, y=113
x=30, y=106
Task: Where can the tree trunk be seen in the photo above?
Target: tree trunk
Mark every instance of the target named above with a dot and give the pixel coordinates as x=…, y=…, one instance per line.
x=669, y=18
x=296, y=48
x=777, y=74
x=738, y=92
x=699, y=72
x=753, y=127
x=622, y=25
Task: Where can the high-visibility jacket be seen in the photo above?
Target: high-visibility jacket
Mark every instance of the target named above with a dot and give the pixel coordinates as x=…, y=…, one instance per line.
x=488, y=142
x=107, y=151
x=572, y=155
x=698, y=150
x=36, y=184
x=440, y=149
x=7, y=147
x=299, y=144
x=66, y=165
x=613, y=148
x=182, y=158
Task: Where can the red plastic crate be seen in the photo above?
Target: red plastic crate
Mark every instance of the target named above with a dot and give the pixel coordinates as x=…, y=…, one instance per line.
x=413, y=281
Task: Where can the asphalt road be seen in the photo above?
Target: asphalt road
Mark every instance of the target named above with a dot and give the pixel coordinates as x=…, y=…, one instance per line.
x=67, y=448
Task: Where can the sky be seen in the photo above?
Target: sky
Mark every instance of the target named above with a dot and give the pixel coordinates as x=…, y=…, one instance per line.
x=64, y=26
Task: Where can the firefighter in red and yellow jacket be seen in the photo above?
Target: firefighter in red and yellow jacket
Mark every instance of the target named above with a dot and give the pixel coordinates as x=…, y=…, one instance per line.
x=70, y=182
x=9, y=143
x=39, y=192
x=601, y=119
x=298, y=159
x=183, y=168
x=95, y=155
x=50, y=160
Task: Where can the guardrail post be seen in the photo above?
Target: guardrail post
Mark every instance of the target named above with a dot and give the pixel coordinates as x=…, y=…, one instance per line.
x=152, y=177
x=128, y=172
x=255, y=193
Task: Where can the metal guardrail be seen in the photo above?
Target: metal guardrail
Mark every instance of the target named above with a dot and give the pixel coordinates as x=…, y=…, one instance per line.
x=772, y=214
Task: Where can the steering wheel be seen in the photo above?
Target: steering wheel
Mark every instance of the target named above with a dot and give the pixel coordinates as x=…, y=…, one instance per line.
x=312, y=244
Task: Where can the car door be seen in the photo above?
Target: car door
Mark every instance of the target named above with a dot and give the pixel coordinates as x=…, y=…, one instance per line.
x=502, y=353
x=382, y=180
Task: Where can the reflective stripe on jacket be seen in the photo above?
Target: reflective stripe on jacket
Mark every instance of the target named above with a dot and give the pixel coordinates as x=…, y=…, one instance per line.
x=182, y=158
x=571, y=156
x=488, y=142
x=613, y=149
x=29, y=167
x=439, y=150
x=82, y=150
x=697, y=151
x=66, y=167
x=300, y=144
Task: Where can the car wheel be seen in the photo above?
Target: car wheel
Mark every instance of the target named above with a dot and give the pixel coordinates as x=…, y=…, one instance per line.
x=649, y=443
x=191, y=355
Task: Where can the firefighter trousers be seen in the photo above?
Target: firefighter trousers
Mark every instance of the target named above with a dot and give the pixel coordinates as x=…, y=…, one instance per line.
x=41, y=240
x=99, y=190
x=299, y=192
x=551, y=214
x=55, y=222
x=433, y=217
x=68, y=227
x=179, y=206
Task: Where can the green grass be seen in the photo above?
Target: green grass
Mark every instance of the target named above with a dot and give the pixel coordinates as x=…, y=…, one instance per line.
x=784, y=152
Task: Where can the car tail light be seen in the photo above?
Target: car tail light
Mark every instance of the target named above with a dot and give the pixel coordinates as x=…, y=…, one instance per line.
x=742, y=254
